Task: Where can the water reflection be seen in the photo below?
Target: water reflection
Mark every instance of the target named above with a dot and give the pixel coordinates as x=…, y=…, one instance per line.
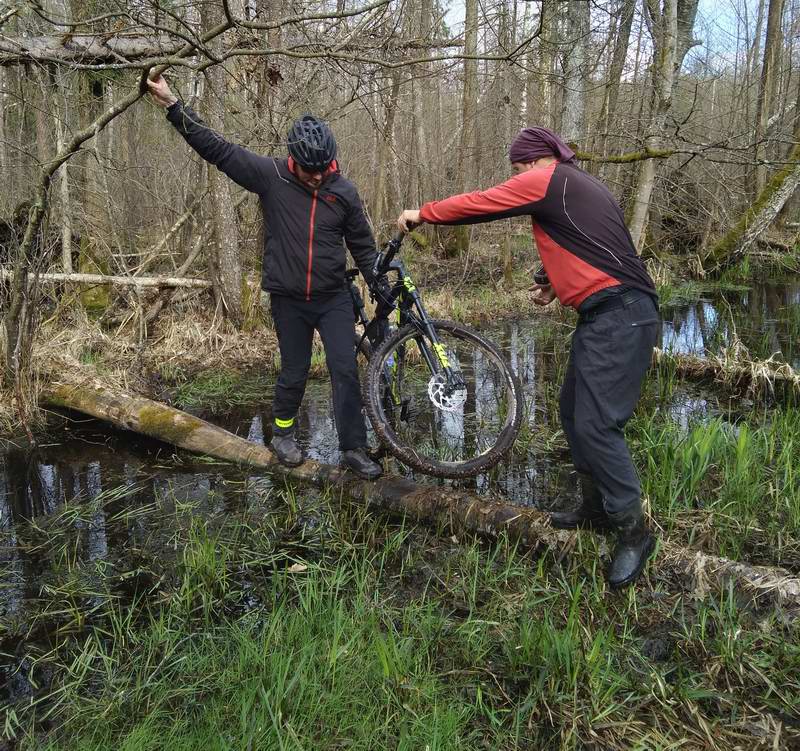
x=764, y=318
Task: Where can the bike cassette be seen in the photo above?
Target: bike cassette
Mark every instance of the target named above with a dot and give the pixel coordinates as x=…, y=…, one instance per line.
x=444, y=396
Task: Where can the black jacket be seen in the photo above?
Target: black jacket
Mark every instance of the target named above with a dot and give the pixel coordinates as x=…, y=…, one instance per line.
x=305, y=230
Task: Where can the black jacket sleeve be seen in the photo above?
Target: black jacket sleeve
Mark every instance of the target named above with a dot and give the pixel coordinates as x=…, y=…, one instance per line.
x=242, y=166
x=359, y=238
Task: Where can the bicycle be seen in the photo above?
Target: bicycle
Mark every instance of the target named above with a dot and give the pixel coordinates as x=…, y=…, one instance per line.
x=440, y=397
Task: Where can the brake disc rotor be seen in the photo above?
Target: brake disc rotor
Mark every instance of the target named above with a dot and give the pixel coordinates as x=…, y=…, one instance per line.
x=444, y=398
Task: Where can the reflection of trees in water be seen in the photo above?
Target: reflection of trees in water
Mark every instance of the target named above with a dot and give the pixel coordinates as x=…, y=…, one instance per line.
x=12, y=567
x=41, y=483
x=765, y=319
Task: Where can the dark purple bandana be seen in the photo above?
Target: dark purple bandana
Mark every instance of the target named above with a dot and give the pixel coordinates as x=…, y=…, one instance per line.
x=534, y=143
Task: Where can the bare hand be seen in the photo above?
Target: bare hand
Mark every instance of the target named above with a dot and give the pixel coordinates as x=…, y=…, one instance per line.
x=161, y=92
x=408, y=220
x=544, y=294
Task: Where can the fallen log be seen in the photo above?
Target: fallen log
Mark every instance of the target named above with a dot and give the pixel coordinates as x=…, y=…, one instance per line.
x=452, y=509
x=86, y=49
x=125, y=281
x=754, y=374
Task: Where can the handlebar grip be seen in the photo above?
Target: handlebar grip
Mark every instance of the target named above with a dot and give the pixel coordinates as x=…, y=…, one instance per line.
x=540, y=276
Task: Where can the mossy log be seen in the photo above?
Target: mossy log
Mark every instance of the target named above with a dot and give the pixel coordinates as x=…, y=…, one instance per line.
x=732, y=247
x=451, y=509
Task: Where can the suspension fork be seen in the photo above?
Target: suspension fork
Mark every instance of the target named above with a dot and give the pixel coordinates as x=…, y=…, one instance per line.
x=435, y=355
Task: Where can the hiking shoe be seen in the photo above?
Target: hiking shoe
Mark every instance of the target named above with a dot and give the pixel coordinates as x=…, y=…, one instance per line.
x=357, y=461
x=286, y=449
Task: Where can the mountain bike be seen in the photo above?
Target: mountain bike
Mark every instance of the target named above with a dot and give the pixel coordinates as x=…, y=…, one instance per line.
x=440, y=397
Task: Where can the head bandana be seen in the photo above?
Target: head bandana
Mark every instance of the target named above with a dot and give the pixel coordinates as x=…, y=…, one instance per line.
x=534, y=143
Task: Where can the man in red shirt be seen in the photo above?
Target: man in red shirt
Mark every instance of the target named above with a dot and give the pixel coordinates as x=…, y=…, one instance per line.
x=591, y=265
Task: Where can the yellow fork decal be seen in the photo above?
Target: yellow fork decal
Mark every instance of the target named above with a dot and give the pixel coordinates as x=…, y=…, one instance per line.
x=440, y=353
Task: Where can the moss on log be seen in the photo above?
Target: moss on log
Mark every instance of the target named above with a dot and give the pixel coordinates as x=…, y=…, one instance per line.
x=737, y=241
x=451, y=509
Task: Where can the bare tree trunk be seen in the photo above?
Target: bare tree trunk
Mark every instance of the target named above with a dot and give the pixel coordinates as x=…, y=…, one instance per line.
x=469, y=97
x=758, y=217
x=60, y=115
x=671, y=28
x=608, y=110
x=469, y=115
x=766, y=90
x=5, y=171
x=226, y=268
x=385, y=198
x=753, y=57
x=548, y=44
x=576, y=71
x=420, y=89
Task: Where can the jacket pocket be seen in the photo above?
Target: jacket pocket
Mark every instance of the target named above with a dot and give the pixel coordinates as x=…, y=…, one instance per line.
x=646, y=322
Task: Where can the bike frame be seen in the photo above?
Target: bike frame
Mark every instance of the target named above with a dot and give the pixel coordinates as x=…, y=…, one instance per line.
x=403, y=297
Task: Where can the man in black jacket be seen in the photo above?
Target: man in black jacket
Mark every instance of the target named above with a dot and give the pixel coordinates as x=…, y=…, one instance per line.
x=310, y=211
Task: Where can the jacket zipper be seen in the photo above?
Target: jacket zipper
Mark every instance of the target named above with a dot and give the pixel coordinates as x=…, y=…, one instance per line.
x=311, y=245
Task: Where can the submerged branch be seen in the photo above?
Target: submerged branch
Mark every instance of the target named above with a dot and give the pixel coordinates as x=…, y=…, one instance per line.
x=752, y=374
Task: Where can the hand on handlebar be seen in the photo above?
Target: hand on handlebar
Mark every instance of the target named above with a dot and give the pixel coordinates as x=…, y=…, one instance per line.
x=408, y=219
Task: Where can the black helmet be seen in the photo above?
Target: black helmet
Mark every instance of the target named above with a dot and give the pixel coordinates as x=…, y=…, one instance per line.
x=311, y=143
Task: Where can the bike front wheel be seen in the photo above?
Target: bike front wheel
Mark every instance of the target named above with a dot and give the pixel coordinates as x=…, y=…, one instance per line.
x=426, y=425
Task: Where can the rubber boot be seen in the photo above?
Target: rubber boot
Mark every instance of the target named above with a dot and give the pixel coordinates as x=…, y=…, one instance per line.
x=589, y=515
x=286, y=449
x=634, y=546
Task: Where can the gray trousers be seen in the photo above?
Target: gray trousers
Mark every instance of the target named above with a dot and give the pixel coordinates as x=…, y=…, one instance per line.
x=610, y=354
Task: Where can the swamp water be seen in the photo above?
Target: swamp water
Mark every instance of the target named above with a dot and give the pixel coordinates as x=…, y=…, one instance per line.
x=115, y=496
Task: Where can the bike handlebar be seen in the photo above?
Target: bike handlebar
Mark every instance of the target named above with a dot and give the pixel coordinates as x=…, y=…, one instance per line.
x=384, y=258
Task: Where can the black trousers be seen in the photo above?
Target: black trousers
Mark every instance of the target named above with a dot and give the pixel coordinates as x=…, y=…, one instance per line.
x=295, y=322
x=610, y=354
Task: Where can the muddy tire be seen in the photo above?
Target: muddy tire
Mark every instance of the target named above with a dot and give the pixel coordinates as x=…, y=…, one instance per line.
x=452, y=443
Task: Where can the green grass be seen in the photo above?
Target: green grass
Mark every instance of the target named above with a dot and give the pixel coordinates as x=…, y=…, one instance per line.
x=297, y=623
x=729, y=484
x=219, y=389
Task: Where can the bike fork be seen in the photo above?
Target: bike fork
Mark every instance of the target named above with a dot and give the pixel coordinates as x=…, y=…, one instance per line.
x=435, y=355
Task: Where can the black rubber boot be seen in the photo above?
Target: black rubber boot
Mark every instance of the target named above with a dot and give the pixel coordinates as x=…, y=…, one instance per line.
x=589, y=515
x=286, y=449
x=634, y=546
x=357, y=461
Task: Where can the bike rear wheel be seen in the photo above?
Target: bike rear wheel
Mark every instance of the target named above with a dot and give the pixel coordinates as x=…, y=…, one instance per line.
x=441, y=437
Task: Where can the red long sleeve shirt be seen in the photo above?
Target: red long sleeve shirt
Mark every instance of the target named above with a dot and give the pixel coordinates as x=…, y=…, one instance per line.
x=577, y=223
